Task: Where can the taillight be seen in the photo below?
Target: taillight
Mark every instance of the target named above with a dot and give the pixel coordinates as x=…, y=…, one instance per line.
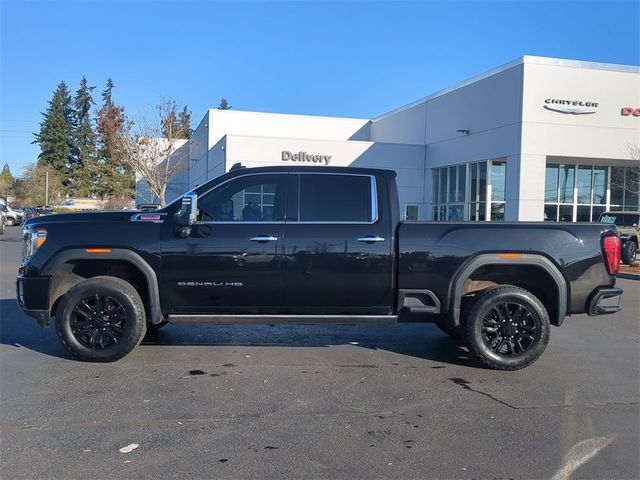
x=611, y=248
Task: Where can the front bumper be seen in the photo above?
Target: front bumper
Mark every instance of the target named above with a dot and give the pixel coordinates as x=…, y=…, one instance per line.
x=605, y=301
x=32, y=294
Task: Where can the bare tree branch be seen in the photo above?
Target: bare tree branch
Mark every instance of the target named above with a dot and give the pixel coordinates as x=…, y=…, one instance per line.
x=628, y=179
x=150, y=145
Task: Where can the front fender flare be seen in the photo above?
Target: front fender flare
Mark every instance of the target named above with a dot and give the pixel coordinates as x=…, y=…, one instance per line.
x=116, y=254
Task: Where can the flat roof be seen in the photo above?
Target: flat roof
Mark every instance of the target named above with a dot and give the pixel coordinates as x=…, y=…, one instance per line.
x=560, y=62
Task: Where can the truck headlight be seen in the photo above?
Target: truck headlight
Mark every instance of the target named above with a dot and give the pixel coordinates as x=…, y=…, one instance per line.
x=32, y=240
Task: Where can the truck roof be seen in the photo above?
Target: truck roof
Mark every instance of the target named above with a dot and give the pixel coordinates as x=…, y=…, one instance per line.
x=315, y=169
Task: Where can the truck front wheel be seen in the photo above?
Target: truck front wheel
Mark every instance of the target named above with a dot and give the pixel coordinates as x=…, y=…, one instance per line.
x=101, y=319
x=507, y=328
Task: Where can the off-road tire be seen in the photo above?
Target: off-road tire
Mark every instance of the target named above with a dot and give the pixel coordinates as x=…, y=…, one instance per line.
x=629, y=251
x=122, y=292
x=482, y=312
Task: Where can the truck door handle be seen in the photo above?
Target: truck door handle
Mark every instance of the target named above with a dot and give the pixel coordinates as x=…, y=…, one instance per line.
x=370, y=239
x=263, y=238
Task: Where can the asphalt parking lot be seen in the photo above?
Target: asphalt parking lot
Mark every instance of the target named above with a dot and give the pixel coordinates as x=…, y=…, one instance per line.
x=317, y=402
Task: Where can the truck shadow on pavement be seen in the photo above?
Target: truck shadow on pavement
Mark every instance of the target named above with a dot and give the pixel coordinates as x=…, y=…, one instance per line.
x=417, y=340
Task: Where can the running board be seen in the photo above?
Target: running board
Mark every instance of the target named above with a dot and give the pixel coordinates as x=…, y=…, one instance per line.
x=285, y=319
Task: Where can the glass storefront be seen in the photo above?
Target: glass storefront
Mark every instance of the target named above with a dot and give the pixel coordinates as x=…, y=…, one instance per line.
x=580, y=193
x=460, y=192
x=625, y=188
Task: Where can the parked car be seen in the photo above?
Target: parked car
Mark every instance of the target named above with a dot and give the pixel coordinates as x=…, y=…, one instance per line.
x=13, y=217
x=627, y=224
x=3, y=217
x=311, y=245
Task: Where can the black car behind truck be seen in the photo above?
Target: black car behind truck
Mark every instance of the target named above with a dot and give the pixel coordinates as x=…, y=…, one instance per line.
x=311, y=245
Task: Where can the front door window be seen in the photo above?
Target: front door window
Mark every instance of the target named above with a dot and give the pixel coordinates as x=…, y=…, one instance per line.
x=254, y=198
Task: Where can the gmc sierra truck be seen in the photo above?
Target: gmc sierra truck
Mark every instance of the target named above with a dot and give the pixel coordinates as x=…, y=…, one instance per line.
x=311, y=245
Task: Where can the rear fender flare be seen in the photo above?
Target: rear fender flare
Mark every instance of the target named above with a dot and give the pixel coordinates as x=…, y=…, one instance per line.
x=492, y=259
x=116, y=254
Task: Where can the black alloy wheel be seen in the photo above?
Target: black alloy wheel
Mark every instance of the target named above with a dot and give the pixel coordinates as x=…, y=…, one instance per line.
x=98, y=321
x=507, y=328
x=510, y=329
x=101, y=319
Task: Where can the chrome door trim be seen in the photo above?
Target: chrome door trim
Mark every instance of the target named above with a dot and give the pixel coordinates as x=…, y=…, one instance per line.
x=373, y=191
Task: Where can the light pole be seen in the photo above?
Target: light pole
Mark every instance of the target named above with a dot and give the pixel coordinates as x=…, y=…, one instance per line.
x=46, y=189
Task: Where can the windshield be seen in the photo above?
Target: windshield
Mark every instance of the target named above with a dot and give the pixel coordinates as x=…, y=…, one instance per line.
x=620, y=219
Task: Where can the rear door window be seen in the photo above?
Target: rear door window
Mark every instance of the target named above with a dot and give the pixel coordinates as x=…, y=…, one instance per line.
x=336, y=198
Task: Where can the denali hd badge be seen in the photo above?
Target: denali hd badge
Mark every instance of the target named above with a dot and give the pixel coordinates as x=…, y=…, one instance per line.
x=573, y=107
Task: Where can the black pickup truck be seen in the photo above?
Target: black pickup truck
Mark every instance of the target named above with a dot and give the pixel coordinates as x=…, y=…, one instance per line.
x=311, y=245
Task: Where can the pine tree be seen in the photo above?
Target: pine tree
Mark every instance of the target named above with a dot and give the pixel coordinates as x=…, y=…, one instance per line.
x=56, y=133
x=115, y=177
x=224, y=104
x=185, y=122
x=174, y=125
x=107, y=92
x=7, y=181
x=84, y=167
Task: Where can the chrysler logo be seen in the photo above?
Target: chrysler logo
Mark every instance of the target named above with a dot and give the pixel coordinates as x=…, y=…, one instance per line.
x=573, y=107
x=288, y=156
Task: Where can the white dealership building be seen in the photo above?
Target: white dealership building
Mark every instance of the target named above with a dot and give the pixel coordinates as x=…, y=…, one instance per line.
x=535, y=139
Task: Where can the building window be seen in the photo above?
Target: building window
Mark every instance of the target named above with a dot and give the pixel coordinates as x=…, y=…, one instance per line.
x=578, y=193
x=625, y=188
x=459, y=192
x=560, y=189
x=477, y=191
x=411, y=212
x=498, y=186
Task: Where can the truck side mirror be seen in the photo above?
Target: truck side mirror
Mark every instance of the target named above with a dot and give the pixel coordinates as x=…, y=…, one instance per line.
x=187, y=215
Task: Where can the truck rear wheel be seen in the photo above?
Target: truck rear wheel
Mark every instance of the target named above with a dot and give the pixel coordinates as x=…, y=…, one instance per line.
x=101, y=319
x=507, y=328
x=629, y=251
